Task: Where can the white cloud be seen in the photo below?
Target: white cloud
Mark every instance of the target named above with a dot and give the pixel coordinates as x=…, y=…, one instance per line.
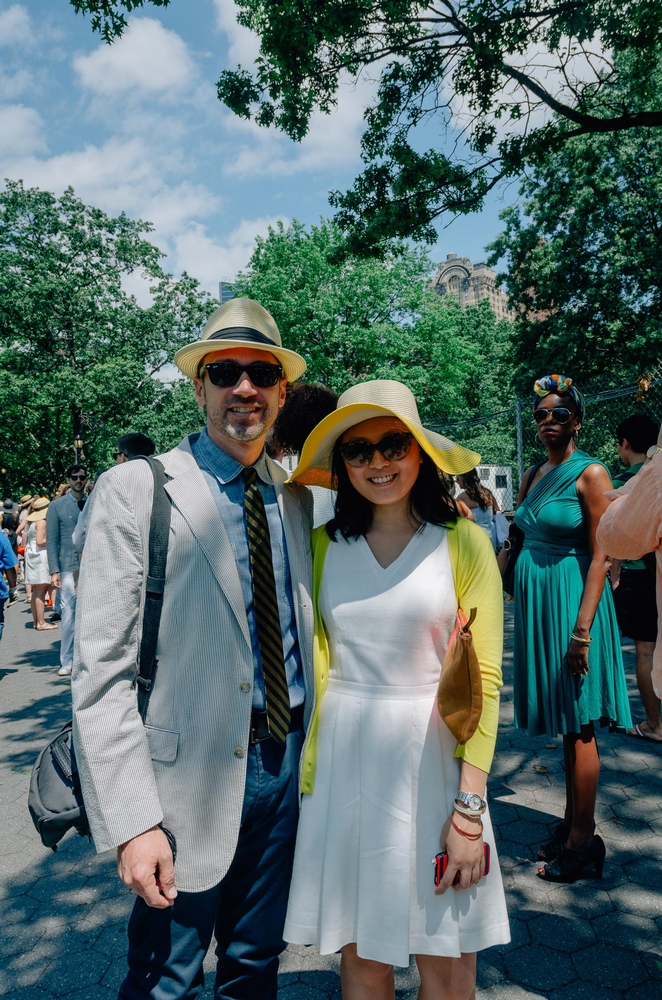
x=243, y=45
x=333, y=140
x=21, y=130
x=15, y=27
x=147, y=59
x=211, y=261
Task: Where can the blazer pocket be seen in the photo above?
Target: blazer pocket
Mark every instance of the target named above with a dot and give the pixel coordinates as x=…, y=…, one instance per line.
x=163, y=743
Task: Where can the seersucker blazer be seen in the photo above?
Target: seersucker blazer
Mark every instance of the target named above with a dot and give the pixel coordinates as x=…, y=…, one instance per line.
x=186, y=767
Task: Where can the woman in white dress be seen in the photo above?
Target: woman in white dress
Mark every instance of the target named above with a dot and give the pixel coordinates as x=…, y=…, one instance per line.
x=385, y=782
x=36, y=563
x=480, y=501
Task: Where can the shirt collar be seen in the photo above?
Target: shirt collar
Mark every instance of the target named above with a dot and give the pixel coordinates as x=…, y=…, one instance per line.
x=70, y=494
x=226, y=468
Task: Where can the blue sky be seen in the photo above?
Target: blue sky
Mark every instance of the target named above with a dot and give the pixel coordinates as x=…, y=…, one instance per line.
x=136, y=126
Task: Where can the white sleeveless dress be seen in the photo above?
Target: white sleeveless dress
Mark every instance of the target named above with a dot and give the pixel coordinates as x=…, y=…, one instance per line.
x=386, y=770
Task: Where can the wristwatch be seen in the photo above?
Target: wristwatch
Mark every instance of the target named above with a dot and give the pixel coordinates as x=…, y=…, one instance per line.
x=653, y=450
x=471, y=801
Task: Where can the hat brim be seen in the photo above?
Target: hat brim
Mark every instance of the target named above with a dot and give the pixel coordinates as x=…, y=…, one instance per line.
x=188, y=359
x=38, y=515
x=314, y=466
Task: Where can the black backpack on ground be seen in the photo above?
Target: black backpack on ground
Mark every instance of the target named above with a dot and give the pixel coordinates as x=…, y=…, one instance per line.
x=55, y=799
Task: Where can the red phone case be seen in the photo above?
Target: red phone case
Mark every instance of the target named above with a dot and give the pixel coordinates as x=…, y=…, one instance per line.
x=440, y=863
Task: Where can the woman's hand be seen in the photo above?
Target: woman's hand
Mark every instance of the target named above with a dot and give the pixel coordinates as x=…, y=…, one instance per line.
x=465, y=856
x=578, y=658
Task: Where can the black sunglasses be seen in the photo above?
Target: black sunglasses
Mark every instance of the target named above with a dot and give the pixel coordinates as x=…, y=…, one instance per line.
x=560, y=414
x=77, y=477
x=263, y=374
x=393, y=447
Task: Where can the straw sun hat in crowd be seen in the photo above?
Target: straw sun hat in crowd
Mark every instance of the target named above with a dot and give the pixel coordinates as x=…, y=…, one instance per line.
x=240, y=323
x=39, y=509
x=379, y=398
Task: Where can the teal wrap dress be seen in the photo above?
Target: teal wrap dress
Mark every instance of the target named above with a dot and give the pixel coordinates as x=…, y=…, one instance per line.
x=549, y=582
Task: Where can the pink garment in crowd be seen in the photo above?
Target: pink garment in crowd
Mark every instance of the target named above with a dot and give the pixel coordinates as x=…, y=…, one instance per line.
x=632, y=526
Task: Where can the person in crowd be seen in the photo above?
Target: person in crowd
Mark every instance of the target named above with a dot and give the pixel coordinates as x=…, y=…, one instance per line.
x=10, y=506
x=22, y=539
x=36, y=562
x=567, y=655
x=306, y=404
x=80, y=531
x=480, y=501
x=384, y=781
x=63, y=560
x=630, y=528
x=133, y=445
x=62, y=489
x=8, y=564
x=217, y=762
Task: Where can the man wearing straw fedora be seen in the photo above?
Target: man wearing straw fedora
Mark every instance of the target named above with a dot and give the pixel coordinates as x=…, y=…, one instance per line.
x=216, y=763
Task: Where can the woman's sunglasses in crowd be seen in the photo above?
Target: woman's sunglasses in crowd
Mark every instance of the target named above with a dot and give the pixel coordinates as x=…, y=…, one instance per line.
x=393, y=447
x=262, y=374
x=560, y=415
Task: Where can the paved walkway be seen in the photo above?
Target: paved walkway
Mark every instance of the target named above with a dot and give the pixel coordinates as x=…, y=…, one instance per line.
x=63, y=916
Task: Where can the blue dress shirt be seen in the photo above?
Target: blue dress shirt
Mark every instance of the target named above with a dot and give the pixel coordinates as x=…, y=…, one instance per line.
x=223, y=476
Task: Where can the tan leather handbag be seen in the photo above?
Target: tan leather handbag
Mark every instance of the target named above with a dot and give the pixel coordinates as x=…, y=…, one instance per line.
x=460, y=693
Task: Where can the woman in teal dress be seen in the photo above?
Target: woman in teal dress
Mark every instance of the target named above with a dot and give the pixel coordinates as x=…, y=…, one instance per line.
x=568, y=665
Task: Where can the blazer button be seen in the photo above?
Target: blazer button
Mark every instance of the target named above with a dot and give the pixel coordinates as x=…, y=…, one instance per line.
x=239, y=752
x=244, y=686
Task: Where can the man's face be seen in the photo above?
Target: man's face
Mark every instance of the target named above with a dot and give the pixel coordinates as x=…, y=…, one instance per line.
x=241, y=412
x=77, y=481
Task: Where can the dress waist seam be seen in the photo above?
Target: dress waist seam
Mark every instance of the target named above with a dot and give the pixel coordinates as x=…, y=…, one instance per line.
x=384, y=692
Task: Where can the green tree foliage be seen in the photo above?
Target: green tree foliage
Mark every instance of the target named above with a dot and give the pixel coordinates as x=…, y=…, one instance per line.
x=78, y=355
x=361, y=319
x=481, y=71
x=584, y=259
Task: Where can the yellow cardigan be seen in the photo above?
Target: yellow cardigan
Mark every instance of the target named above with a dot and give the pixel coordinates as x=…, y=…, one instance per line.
x=477, y=585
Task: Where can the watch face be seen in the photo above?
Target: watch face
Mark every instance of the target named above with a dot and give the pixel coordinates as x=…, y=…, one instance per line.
x=652, y=451
x=475, y=802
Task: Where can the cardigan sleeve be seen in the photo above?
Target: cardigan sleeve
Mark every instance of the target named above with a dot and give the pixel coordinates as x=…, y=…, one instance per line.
x=478, y=585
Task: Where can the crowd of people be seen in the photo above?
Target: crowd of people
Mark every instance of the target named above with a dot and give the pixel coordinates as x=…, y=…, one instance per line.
x=46, y=537
x=307, y=608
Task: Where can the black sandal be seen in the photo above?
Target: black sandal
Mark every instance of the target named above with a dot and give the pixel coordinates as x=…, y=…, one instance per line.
x=549, y=851
x=570, y=865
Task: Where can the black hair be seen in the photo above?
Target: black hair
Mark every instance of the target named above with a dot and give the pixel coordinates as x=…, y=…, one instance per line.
x=75, y=468
x=429, y=500
x=135, y=445
x=306, y=404
x=639, y=430
x=476, y=491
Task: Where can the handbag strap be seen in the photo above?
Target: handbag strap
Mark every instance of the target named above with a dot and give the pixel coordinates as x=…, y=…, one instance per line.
x=532, y=476
x=159, y=530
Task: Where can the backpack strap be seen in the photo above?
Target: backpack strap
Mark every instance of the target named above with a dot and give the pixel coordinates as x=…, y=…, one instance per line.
x=159, y=530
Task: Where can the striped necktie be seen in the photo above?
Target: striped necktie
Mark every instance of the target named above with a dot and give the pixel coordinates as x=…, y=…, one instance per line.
x=265, y=602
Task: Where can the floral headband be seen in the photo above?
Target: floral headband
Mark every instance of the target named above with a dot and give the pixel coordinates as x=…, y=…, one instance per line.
x=560, y=385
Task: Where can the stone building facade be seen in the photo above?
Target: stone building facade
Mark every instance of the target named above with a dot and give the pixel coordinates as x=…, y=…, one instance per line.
x=470, y=283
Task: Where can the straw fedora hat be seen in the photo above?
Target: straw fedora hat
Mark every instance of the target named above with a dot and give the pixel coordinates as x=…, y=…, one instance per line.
x=379, y=398
x=239, y=323
x=27, y=498
x=39, y=510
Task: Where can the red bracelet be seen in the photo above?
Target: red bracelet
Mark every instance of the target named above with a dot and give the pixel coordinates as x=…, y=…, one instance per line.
x=463, y=833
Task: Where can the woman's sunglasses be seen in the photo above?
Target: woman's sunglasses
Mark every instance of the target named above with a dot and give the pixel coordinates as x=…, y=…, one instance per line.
x=560, y=415
x=393, y=447
x=263, y=374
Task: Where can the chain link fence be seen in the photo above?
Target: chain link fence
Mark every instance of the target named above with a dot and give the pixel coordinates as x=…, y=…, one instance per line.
x=509, y=438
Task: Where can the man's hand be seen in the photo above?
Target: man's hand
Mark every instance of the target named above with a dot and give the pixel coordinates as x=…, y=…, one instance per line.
x=55, y=580
x=144, y=863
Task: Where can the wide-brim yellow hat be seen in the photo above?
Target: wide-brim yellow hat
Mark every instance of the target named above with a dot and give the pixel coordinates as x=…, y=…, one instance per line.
x=39, y=510
x=379, y=398
x=240, y=322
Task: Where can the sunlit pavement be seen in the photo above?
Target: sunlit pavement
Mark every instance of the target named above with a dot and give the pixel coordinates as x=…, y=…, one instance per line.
x=63, y=916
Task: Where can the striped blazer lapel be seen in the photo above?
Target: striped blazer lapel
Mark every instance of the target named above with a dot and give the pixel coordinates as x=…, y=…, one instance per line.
x=190, y=494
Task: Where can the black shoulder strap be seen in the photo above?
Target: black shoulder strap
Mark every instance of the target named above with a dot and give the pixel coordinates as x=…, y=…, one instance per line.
x=532, y=476
x=159, y=529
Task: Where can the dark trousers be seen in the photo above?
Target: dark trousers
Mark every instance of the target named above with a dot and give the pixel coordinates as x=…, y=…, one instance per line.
x=245, y=912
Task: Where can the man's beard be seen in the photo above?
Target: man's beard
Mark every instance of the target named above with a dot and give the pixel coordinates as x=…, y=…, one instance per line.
x=221, y=420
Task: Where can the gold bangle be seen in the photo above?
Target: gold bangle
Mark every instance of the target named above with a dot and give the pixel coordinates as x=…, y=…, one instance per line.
x=578, y=638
